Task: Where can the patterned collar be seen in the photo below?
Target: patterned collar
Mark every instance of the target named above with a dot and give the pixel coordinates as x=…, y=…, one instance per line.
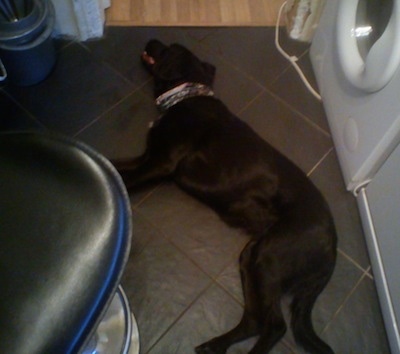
x=180, y=93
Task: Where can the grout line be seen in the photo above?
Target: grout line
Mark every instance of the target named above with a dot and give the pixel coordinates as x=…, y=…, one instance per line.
x=106, y=64
x=233, y=65
x=369, y=274
x=211, y=32
x=264, y=88
x=206, y=48
x=19, y=105
x=351, y=260
x=211, y=281
x=251, y=101
x=147, y=196
x=184, y=311
x=168, y=237
x=106, y=111
x=67, y=44
x=319, y=162
x=302, y=115
x=215, y=277
x=340, y=308
x=234, y=258
x=287, y=69
x=136, y=89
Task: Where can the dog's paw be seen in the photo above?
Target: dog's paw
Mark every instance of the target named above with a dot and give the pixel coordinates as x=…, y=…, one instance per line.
x=209, y=348
x=203, y=349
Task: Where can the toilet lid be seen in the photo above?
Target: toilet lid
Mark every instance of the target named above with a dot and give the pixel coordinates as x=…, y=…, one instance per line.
x=372, y=71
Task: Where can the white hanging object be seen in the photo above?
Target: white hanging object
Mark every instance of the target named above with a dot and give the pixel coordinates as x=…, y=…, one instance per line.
x=302, y=17
x=80, y=19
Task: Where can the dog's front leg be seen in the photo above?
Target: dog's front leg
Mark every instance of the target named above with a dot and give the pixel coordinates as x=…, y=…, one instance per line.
x=158, y=161
x=144, y=169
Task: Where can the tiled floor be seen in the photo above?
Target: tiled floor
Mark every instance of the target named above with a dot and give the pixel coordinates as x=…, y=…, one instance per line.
x=182, y=277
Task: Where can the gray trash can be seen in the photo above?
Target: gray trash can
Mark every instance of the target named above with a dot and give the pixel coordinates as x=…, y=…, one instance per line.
x=26, y=46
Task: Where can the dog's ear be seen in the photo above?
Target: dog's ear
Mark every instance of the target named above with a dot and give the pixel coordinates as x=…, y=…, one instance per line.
x=209, y=71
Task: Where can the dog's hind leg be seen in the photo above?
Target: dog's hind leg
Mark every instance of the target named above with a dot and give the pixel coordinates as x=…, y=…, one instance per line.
x=266, y=280
x=245, y=329
x=303, y=331
x=261, y=313
x=248, y=325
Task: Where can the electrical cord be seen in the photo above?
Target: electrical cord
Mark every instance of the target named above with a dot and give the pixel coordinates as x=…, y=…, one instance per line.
x=292, y=58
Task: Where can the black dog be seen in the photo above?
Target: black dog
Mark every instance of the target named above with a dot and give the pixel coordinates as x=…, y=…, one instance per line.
x=216, y=157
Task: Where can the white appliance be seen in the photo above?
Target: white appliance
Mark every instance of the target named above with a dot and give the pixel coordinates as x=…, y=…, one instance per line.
x=356, y=57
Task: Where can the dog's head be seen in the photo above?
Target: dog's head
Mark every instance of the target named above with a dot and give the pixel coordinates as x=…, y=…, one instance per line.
x=173, y=65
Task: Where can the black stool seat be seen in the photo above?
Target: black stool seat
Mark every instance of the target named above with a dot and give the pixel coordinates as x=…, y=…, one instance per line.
x=65, y=233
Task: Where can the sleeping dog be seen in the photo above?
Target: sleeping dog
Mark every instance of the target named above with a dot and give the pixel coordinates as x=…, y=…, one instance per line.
x=216, y=157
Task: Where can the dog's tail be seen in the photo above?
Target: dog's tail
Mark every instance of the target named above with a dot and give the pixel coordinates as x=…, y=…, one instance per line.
x=301, y=323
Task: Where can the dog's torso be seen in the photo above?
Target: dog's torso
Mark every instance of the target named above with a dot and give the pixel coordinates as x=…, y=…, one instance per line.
x=222, y=161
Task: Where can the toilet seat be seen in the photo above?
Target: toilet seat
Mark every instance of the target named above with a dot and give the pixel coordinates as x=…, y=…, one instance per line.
x=382, y=60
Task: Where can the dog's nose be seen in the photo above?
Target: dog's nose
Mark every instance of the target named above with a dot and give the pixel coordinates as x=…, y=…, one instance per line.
x=148, y=59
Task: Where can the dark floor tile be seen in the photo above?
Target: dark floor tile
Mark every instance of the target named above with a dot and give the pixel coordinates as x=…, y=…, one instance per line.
x=358, y=327
x=229, y=279
x=14, y=118
x=78, y=91
x=141, y=194
x=232, y=86
x=199, y=33
x=214, y=313
x=193, y=228
x=61, y=43
x=343, y=281
x=142, y=234
x=251, y=50
x=121, y=132
x=160, y=283
x=244, y=346
x=293, y=91
x=351, y=239
x=287, y=131
x=122, y=47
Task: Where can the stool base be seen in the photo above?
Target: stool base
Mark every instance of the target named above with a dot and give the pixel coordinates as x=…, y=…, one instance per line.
x=117, y=332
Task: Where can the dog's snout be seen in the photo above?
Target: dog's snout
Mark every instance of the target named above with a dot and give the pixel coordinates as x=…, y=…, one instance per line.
x=148, y=59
